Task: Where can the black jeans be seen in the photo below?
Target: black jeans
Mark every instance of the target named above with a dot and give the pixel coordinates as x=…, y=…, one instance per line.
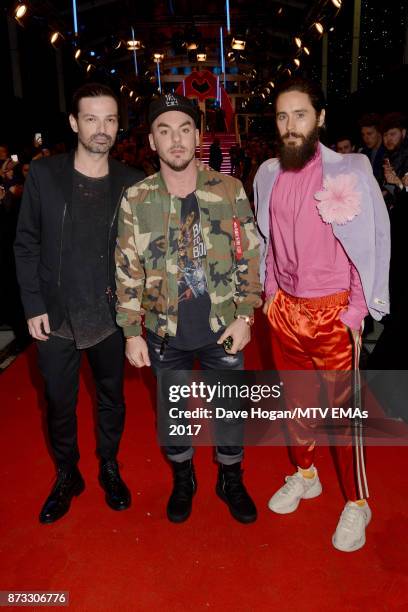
x=59, y=362
x=211, y=357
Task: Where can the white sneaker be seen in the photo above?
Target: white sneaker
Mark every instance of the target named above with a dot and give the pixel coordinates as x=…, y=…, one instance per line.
x=350, y=531
x=287, y=498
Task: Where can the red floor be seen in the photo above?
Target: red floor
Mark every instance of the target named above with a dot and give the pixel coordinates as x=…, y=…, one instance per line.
x=137, y=560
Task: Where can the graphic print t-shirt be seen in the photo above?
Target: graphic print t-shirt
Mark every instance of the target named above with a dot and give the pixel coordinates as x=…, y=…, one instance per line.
x=194, y=305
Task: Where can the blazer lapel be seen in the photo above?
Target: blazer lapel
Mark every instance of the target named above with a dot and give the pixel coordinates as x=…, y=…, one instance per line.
x=66, y=179
x=117, y=187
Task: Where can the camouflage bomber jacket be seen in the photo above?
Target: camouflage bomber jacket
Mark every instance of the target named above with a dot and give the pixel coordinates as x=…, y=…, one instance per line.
x=147, y=253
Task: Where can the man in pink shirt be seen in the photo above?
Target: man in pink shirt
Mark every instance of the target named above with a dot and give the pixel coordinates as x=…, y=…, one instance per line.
x=325, y=265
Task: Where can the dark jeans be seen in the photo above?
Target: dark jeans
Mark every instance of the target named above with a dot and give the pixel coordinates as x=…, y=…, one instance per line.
x=59, y=362
x=211, y=357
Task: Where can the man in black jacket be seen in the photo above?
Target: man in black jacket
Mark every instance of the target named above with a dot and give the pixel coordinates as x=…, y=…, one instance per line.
x=64, y=255
x=373, y=146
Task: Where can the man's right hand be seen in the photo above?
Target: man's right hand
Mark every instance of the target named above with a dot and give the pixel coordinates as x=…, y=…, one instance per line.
x=137, y=352
x=267, y=303
x=39, y=326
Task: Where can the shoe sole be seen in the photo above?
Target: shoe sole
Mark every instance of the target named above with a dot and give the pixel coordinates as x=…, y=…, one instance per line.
x=238, y=518
x=356, y=546
x=290, y=509
x=113, y=507
x=77, y=491
x=178, y=518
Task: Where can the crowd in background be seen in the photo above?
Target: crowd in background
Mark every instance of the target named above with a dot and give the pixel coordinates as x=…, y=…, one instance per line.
x=383, y=139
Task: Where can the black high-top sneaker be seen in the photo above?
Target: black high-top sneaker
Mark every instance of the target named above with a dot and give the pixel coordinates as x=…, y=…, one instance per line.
x=232, y=491
x=184, y=487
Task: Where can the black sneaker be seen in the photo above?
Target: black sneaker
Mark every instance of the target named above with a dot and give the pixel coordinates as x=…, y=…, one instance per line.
x=232, y=491
x=69, y=483
x=184, y=488
x=117, y=494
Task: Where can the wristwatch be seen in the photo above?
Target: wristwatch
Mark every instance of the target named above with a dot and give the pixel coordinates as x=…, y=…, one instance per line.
x=248, y=320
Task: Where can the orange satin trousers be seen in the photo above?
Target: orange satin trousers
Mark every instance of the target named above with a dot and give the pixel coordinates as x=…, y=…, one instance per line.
x=307, y=334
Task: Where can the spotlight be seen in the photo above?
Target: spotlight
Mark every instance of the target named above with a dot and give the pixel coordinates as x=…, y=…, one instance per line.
x=133, y=45
x=158, y=57
x=337, y=3
x=296, y=61
x=201, y=57
x=238, y=44
x=131, y=94
x=90, y=67
x=122, y=88
x=272, y=84
x=77, y=54
x=331, y=29
x=306, y=50
x=20, y=10
x=192, y=45
x=319, y=27
x=298, y=42
x=56, y=38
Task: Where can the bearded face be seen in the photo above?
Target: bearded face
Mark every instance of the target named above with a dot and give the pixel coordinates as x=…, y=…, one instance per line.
x=295, y=150
x=298, y=126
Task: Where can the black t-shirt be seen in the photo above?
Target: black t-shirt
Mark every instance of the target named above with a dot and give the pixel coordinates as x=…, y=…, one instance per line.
x=194, y=304
x=88, y=317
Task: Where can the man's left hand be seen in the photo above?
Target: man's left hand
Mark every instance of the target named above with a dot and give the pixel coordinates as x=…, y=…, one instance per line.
x=240, y=332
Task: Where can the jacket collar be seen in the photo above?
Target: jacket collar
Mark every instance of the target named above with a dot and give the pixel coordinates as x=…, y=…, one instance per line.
x=329, y=156
x=66, y=177
x=117, y=184
x=202, y=176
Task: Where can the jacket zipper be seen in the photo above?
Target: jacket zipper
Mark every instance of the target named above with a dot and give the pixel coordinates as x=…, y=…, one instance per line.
x=61, y=244
x=165, y=340
x=109, y=291
x=205, y=259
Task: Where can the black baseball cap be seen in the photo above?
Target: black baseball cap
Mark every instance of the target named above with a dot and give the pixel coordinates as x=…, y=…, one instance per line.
x=172, y=102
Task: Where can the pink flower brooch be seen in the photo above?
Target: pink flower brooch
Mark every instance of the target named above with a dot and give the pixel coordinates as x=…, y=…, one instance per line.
x=339, y=200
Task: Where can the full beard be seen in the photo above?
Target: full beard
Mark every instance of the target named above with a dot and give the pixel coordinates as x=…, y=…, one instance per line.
x=295, y=157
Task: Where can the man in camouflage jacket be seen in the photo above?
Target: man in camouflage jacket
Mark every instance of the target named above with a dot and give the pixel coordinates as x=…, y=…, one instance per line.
x=187, y=261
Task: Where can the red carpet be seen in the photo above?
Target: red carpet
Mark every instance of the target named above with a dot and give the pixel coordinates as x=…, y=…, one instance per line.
x=137, y=560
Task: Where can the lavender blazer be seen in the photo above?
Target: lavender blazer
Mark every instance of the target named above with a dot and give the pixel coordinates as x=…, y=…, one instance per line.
x=365, y=239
